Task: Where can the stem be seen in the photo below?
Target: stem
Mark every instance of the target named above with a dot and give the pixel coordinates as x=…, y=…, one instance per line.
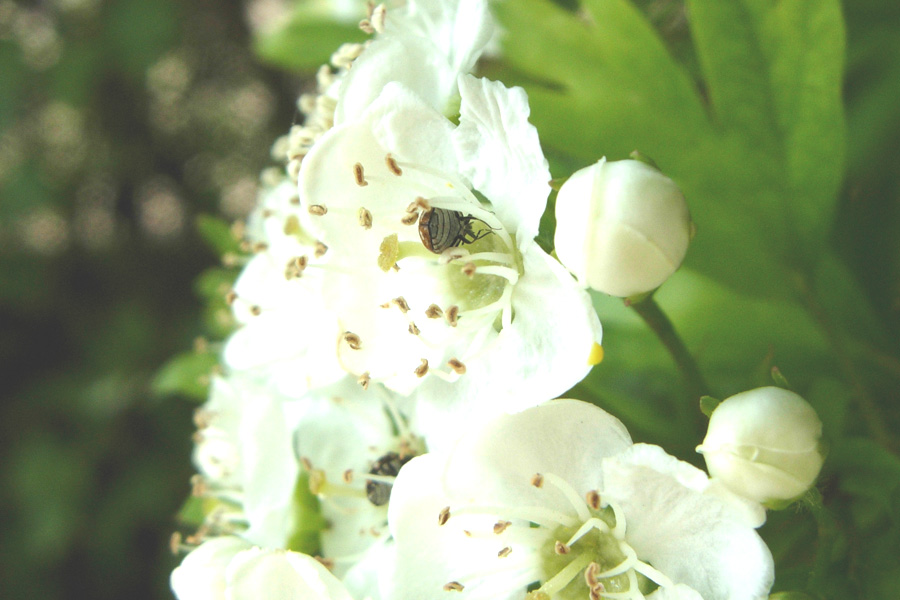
x=657, y=320
x=826, y=533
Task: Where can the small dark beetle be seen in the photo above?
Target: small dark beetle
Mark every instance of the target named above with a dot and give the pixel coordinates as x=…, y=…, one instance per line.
x=441, y=228
x=379, y=492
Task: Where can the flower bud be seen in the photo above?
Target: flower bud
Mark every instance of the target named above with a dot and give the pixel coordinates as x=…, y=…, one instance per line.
x=764, y=444
x=622, y=227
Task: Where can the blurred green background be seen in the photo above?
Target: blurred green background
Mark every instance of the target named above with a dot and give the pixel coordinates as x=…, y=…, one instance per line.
x=121, y=121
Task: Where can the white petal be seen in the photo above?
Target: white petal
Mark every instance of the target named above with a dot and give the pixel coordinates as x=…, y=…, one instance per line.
x=542, y=354
x=258, y=573
x=270, y=470
x=693, y=537
x=499, y=152
x=201, y=575
x=568, y=438
x=428, y=556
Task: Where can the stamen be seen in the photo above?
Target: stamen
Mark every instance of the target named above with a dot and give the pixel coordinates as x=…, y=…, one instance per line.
x=392, y=165
x=453, y=586
x=501, y=526
x=571, y=495
x=410, y=218
x=352, y=340
x=422, y=369
x=255, y=310
x=413, y=207
x=321, y=249
x=400, y=302
x=318, y=210
x=230, y=297
x=364, y=217
x=363, y=380
x=469, y=269
x=413, y=329
x=434, y=312
x=561, y=548
x=545, y=517
x=507, y=273
x=537, y=480
x=359, y=175
x=566, y=575
x=348, y=476
x=593, y=499
x=592, y=523
x=444, y=516
x=452, y=315
x=422, y=203
x=505, y=552
x=457, y=366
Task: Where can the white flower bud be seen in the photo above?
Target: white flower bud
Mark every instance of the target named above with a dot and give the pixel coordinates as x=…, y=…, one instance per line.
x=764, y=444
x=622, y=227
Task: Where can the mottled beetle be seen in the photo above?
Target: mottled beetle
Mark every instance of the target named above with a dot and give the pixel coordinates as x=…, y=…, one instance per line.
x=442, y=228
x=379, y=492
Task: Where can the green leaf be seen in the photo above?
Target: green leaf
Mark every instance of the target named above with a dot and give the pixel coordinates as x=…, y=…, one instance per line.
x=187, y=374
x=217, y=233
x=601, y=82
x=708, y=404
x=306, y=40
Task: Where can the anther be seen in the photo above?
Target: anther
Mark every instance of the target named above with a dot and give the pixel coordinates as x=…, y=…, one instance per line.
x=505, y=552
x=469, y=269
x=365, y=218
x=239, y=229
x=560, y=548
x=255, y=310
x=321, y=249
x=422, y=203
x=409, y=218
x=347, y=476
x=175, y=543
x=452, y=315
x=377, y=18
x=352, y=340
x=537, y=480
x=296, y=266
x=364, y=380
x=422, y=369
x=444, y=516
x=259, y=247
x=434, y=312
x=413, y=329
x=593, y=499
x=306, y=463
x=295, y=200
x=392, y=165
x=245, y=246
x=325, y=562
x=500, y=526
x=457, y=365
x=359, y=175
x=413, y=206
x=590, y=575
x=400, y=302
x=317, y=210
x=453, y=586
x=366, y=26
x=230, y=297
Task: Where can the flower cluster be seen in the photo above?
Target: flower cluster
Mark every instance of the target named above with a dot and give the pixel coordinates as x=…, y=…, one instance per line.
x=385, y=404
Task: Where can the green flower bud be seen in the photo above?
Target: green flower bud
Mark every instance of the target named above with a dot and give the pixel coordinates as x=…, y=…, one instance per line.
x=764, y=445
x=622, y=227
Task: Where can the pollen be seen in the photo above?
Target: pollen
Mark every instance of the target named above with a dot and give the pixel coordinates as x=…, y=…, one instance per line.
x=400, y=302
x=422, y=369
x=363, y=380
x=457, y=365
x=392, y=165
x=352, y=340
x=359, y=175
x=452, y=315
x=364, y=217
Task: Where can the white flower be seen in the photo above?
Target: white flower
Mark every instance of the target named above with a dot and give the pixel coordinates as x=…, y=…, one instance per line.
x=464, y=306
x=764, y=444
x=246, y=461
x=425, y=45
x=621, y=227
x=557, y=498
x=284, y=333
x=229, y=568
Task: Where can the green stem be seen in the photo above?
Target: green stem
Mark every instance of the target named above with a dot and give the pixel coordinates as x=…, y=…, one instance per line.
x=657, y=320
x=826, y=534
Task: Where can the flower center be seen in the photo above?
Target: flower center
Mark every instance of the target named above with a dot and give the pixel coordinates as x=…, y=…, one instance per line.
x=584, y=552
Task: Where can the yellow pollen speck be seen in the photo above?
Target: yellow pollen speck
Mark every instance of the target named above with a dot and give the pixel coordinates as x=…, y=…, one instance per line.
x=596, y=355
x=389, y=251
